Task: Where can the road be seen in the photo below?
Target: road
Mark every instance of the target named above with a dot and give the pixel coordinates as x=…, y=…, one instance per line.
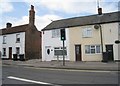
x=30, y=75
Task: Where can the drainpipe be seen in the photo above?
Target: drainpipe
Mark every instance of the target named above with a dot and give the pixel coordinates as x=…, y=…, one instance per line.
x=101, y=37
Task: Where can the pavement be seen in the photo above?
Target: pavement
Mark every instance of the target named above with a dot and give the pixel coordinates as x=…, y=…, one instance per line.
x=101, y=66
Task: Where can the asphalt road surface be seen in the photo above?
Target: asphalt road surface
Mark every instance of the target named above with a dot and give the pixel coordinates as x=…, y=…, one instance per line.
x=55, y=77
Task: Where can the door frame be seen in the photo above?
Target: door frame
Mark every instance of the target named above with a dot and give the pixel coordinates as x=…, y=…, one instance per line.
x=80, y=53
x=48, y=55
x=110, y=58
x=10, y=53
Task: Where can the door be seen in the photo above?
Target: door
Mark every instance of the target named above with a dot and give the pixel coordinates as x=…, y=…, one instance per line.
x=48, y=53
x=109, y=50
x=10, y=52
x=78, y=52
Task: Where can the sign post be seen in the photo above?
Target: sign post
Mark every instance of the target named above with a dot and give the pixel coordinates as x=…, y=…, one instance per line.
x=63, y=38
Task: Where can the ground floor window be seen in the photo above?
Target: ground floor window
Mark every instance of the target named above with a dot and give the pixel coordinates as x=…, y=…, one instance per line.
x=58, y=51
x=4, y=51
x=92, y=49
x=17, y=50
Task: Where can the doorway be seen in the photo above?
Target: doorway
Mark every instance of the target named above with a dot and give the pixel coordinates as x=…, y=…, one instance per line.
x=78, y=52
x=109, y=50
x=10, y=52
x=48, y=53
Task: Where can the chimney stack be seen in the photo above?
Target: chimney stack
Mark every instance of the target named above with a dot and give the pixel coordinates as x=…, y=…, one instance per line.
x=8, y=25
x=99, y=11
x=32, y=15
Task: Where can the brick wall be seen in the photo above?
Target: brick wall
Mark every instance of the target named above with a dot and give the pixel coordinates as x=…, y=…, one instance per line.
x=33, y=43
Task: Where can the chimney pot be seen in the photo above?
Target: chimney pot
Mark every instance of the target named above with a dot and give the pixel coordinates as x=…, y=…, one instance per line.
x=8, y=25
x=32, y=7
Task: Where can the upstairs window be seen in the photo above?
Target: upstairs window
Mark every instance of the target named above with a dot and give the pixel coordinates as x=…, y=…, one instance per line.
x=56, y=33
x=17, y=38
x=87, y=32
x=4, y=39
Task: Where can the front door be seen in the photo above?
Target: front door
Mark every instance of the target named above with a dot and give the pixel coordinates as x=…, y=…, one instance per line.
x=10, y=52
x=109, y=50
x=78, y=52
x=48, y=53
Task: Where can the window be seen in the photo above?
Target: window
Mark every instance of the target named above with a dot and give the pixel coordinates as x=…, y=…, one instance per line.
x=92, y=49
x=59, y=51
x=87, y=32
x=97, y=48
x=4, y=39
x=4, y=51
x=17, y=50
x=87, y=49
x=17, y=38
x=56, y=33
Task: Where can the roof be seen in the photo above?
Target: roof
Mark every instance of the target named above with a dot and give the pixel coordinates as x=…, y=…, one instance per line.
x=86, y=20
x=16, y=29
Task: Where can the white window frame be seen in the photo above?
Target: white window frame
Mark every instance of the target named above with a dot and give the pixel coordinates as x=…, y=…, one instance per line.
x=92, y=49
x=4, y=52
x=87, y=32
x=56, y=33
x=17, y=38
x=18, y=50
x=4, y=39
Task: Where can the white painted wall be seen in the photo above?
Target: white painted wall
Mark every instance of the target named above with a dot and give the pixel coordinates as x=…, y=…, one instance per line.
x=11, y=42
x=119, y=39
x=49, y=43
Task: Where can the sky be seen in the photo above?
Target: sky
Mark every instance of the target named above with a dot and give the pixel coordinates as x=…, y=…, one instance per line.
x=46, y=11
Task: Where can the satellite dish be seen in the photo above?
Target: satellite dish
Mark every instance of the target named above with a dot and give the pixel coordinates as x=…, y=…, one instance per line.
x=96, y=26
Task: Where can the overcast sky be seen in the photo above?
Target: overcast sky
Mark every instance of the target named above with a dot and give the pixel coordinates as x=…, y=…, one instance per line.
x=17, y=11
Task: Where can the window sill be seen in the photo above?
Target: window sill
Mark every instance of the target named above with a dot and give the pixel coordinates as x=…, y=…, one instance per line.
x=17, y=42
x=86, y=37
x=93, y=53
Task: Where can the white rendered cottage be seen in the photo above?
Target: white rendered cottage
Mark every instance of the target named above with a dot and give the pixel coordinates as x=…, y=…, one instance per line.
x=21, y=40
x=88, y=38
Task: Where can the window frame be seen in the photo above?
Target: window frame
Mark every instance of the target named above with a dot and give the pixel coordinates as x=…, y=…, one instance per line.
x=4, y=39
x=87, y=32
x=4, y=52
x=95, y=47
x=17, y=38
x=56, y=33
x=17, y=50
